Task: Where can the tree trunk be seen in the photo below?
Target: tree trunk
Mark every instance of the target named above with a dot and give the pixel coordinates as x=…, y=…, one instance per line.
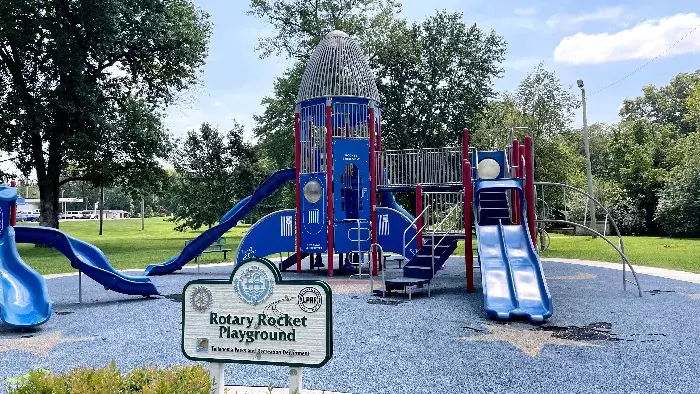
x=48, y=199
x=102, y=201
x=142, y=210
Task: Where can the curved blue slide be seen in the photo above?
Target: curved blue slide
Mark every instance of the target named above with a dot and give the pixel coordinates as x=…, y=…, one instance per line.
x=24, y=299
x=229, y=220
x=511, y=273
x=86, y=258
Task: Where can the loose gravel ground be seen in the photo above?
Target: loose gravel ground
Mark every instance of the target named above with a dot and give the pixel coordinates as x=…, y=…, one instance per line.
x=602, y=338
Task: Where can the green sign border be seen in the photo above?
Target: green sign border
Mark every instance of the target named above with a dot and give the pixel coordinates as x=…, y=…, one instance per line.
x=278, y=280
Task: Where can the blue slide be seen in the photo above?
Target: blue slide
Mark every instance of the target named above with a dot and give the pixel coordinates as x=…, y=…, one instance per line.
x=229, y=220
x=511, y=274
x=86, y=258
x=24, y=299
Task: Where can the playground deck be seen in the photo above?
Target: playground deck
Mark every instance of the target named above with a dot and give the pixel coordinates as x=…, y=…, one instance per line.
x=599, y=339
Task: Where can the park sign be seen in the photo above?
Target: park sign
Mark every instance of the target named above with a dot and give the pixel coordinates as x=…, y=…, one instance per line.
x=255, y=317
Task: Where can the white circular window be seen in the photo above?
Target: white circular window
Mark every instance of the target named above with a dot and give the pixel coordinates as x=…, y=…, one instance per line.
x=312, y=191
x=488, y=169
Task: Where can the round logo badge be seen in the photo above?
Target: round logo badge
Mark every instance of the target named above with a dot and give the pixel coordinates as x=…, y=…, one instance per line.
x=201, y=298
x=310, y=299
x=254, y=285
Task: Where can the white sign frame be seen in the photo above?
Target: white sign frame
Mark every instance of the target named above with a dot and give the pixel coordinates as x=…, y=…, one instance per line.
x=227, y=285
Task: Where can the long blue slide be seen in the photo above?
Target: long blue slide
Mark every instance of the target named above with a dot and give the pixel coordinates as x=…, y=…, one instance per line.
x=24, y=299
x=87, y=258
x=511, y=273
x=228, y=221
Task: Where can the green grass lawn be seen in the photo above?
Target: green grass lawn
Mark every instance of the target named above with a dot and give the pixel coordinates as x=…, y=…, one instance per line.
x=126, y=246
x=672, y=253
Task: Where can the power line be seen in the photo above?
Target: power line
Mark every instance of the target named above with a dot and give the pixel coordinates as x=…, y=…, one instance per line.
x=662, y=53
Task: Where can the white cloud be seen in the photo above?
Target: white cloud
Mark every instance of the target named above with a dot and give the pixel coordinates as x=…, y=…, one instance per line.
x=607, y=14
x=642, y=41
x=525, y=11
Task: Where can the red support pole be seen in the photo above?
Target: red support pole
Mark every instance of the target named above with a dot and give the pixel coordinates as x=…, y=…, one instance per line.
x=530, y=188
x=297, y=164
x=13, y=207
x=419, y=215
x=468, y=252
x=514, y=196
x=329, y=182
x=521, y=175
x=372, y=189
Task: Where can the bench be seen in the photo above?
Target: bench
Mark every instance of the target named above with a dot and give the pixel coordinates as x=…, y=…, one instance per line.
x=218, y=246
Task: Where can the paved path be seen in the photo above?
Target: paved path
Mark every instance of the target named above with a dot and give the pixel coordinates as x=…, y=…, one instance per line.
x=600, y=338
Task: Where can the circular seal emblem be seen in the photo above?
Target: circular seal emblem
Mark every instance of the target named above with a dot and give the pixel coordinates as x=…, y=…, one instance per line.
x=201, y=298
x=254, y=285
x=310, y=299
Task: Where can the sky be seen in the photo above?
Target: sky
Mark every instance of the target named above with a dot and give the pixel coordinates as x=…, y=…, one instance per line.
x=615, y=47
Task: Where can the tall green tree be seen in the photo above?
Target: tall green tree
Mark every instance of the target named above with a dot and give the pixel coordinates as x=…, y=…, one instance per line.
x=435, y=78
x=665, y=105
x=213, y=170
x=678, y=209
x=74, y=74
x=548, y=104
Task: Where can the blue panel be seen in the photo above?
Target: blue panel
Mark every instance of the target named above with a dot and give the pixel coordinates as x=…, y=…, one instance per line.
x=346, y=236
x=272, y=234
x=498, y=155
x=391, y=225
x=350, y=179
x=314, y=234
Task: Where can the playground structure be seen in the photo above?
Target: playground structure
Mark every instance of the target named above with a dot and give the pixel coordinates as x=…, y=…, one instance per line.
x=345, y=206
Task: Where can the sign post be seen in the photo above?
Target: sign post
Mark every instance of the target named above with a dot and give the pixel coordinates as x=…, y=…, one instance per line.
x=255, y=317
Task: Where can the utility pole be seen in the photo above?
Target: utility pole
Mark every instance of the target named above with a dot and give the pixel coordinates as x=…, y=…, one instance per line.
x=587, y=150
x=102, y=200
x=142, y=210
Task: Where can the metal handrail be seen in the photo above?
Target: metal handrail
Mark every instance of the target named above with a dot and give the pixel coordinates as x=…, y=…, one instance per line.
x=434, y=245
x=620, y=247
x=418, y=230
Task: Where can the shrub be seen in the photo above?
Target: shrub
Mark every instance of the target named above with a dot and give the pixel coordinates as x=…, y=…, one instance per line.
x=109, y=380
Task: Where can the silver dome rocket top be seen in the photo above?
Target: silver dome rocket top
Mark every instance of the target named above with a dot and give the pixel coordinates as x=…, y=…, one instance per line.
x=338, y=67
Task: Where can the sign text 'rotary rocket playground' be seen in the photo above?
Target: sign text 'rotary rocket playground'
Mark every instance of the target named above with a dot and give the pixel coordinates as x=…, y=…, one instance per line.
x=255, y=317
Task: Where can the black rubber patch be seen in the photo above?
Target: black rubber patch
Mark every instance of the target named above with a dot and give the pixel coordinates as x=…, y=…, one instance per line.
x=382, y=301
x=656, y=291
x=600, y=331
x=62, y=313
x=177, y=297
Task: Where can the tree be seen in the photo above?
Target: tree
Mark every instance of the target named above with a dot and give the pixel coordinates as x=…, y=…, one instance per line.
x=299, y=25
x=665, y=105
x=693, y=106
x=679, y=204
x=213, y=171
x=435, y=78
x=75, y=73
x=549, y=105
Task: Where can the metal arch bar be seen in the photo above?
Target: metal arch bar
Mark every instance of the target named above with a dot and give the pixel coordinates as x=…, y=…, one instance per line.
x=598, y=203
x=625, y=261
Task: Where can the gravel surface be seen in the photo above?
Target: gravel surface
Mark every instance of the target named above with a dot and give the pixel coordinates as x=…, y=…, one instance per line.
x=602, y=338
